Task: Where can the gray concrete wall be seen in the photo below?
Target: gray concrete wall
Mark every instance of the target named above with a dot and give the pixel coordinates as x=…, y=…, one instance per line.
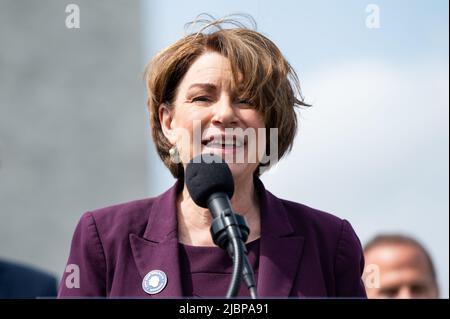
x=73, y=123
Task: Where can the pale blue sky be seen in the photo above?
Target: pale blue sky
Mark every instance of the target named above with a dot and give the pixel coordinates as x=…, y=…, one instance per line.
x=374, y=147
x=320, y=31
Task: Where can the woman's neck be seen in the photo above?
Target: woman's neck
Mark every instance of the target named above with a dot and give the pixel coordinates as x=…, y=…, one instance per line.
x=194, y=222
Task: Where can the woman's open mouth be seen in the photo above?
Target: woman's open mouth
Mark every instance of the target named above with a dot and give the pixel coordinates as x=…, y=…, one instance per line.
x=223, y=143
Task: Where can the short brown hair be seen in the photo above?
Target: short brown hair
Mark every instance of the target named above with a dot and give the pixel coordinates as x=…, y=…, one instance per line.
x=268, y=80
x=398, y=239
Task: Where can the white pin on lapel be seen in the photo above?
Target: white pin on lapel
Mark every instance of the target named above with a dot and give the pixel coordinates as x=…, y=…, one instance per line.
x=154, y=282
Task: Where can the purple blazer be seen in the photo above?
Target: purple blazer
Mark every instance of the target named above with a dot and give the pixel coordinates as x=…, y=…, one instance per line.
x=303, y=252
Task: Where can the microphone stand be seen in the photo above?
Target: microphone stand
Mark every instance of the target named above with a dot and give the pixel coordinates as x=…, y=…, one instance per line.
x=230, y=231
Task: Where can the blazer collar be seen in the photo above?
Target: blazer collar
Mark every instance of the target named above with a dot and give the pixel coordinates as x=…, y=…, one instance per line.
x=157, y=249
x=163, y=225
x=280, y=247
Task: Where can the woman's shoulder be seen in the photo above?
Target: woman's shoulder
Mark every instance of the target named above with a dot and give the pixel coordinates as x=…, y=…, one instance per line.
x=304, y=215
x=123, y=210
x=315, y=223
x=120, y=219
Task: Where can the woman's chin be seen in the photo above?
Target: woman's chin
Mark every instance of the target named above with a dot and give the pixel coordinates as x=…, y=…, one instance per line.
x=240, y=171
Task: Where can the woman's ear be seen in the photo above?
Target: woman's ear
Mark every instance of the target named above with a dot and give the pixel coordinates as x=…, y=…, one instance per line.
x=166, y=120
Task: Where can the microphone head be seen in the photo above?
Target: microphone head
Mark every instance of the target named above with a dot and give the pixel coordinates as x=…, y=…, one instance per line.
x=204, y=178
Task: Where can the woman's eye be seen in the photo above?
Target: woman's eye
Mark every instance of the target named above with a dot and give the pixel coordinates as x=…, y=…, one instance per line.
x=201, y=99
x=244, y=102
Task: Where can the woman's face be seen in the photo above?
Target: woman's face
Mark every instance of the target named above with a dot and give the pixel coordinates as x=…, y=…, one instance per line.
x=209, y=117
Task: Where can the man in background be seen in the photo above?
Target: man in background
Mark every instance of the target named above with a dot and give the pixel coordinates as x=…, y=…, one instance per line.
x=400, y=267
x=18, y=281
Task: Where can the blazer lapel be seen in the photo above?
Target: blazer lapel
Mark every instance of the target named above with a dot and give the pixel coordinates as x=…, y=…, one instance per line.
x=280, y=250
x=158, y=248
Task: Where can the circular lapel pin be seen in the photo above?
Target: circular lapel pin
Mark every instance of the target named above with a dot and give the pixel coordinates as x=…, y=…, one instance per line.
x=154, y=282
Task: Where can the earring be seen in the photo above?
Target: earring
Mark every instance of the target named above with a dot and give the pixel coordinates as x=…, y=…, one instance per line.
x=174, y=155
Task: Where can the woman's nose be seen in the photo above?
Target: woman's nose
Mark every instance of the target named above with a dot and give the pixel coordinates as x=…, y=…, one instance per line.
x=404, y=293
x=224, y=113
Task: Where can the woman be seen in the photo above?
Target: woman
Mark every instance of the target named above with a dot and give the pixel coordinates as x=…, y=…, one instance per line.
x=200, y=89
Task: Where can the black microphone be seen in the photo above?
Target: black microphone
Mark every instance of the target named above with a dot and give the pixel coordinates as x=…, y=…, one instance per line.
x=205, y=178
x=210, y=184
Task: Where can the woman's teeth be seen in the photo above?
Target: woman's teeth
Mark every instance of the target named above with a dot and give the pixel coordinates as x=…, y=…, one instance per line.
x=224, y=144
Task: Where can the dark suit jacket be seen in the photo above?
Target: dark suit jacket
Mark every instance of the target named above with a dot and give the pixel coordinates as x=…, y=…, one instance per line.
x=17, y=281
x=303, y=251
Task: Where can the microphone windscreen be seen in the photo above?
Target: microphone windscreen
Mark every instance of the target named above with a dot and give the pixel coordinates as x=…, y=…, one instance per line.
x=206, y=175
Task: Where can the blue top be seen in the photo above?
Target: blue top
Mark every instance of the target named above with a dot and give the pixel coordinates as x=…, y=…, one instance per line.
x=19, y=281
